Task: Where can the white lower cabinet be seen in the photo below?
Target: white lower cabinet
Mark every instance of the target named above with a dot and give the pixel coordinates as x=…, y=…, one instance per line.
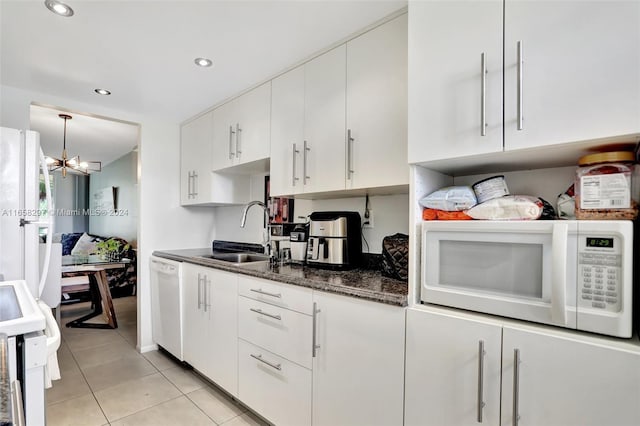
x=447, y=377
x=210, y=298
x=279, y=330
x=562, y=378
x=355, y=374
x=359, y=363
x=275, y=350
x=276, y=388
x=568, y=380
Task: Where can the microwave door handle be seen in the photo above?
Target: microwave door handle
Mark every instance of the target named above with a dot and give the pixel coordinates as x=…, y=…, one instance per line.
x=559, y=274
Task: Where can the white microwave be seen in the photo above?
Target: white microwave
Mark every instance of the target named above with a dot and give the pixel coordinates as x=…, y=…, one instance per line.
x=573, y=274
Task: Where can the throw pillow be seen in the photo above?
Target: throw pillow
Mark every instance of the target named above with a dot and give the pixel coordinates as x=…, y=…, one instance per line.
x=86, y=245
x=68, y=242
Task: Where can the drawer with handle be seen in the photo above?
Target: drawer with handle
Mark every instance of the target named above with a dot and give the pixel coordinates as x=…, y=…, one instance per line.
x=274, y=387
x=283, y=295
x=285, y=332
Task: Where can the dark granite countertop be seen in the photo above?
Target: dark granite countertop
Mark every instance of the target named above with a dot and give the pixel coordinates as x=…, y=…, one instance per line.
x=362, y=283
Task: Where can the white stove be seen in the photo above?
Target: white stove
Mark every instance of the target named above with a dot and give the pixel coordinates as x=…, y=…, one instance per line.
x=19, y=312
x=23, y=323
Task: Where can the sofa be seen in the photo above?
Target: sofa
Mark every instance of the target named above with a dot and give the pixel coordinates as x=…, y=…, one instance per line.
x=80, y=245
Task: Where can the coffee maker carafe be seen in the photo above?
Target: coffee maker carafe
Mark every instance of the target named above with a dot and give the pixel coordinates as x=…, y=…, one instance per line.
x=335, y=241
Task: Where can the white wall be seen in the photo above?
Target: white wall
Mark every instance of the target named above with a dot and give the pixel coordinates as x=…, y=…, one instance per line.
x=227, y=218
x=122, y=174
x=390, y=214
x=162, y=222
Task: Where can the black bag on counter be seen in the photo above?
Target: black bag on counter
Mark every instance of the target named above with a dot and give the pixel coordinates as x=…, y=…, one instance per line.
x=395, y=256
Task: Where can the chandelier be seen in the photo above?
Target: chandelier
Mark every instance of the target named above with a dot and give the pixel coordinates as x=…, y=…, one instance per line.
x=73, y=164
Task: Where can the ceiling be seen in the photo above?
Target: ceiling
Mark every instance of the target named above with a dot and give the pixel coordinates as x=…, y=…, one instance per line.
x=144, y=51
x=92, y=138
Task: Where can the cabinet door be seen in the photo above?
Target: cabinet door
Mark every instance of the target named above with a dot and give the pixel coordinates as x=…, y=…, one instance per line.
x=447, y=377
x=446, y=42
x=221, y=306
x=324, y=122
x=580, y=78
x=569, y=380
x=196, y=320
x=196, y=144
x=287, y=132
x=359, y=365
x=273, y=386
x=224, y=136
x=377, y=107
x=253, y=123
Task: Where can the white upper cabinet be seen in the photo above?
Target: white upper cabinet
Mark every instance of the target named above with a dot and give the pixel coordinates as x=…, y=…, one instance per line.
x=323, y=150
x=377, y=107
x=569, y=72
x=253, y=124
x=579, y=71
x=196, y=143
x=242, y=129
x=340, y=119
x=287, y=132
x=308, y=126
x=224, y=131
x=447, y=43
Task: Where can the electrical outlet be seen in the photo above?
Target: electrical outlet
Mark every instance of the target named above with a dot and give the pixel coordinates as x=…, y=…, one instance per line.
x=369, y=219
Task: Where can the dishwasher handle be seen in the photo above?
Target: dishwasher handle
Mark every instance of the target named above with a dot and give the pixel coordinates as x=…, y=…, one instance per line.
x=164, y=268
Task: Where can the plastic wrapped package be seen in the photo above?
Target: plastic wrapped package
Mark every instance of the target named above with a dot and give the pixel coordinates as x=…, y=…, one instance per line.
x=451, y=198
x=566, y=204
x=510, y=207
x=433, y=214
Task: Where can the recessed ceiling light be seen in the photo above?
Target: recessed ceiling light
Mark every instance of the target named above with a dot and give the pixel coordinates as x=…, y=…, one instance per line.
x=58, y=8
x=102, y=92
x=203, y=62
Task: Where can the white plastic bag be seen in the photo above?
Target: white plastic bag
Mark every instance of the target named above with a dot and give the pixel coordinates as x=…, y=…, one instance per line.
x=451, y=199
x=510, y=207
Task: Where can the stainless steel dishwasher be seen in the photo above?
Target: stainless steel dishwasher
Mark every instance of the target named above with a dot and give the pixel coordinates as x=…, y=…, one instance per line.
x=166, y=304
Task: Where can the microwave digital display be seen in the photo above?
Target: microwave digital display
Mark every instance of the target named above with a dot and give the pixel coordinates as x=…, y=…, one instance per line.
x=600, y=242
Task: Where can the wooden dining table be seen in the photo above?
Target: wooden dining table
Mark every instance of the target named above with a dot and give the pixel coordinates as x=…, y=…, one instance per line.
x=94, y=270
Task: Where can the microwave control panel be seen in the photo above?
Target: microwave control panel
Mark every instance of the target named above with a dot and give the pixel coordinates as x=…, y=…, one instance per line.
x=599, y=273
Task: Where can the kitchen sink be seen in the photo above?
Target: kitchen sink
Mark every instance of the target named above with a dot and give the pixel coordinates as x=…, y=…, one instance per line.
x=239, y=259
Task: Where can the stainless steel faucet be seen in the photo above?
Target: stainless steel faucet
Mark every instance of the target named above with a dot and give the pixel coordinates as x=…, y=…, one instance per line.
x=267, y=237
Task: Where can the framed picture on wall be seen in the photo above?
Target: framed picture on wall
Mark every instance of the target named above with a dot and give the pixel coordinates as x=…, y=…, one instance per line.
x=280, y=208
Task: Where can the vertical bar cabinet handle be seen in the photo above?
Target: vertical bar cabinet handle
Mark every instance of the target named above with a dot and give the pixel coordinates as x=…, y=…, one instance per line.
x=520, y=112
x=516, y=386
x=483, y=94
x=195, y=184
x=349, y=154
x=304, y=163
x=189, y=185
x=238, y=131
x=314, y=334
x=199, y=291
x=205, y=295
x=481, y=403
x=293, y=166
x=231, y=153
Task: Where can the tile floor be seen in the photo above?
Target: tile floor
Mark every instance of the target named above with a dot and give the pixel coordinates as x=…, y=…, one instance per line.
x=105, y=381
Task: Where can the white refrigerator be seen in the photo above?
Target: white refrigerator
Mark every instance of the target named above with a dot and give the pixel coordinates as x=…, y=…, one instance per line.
x=21, y=219
x=21, y=267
